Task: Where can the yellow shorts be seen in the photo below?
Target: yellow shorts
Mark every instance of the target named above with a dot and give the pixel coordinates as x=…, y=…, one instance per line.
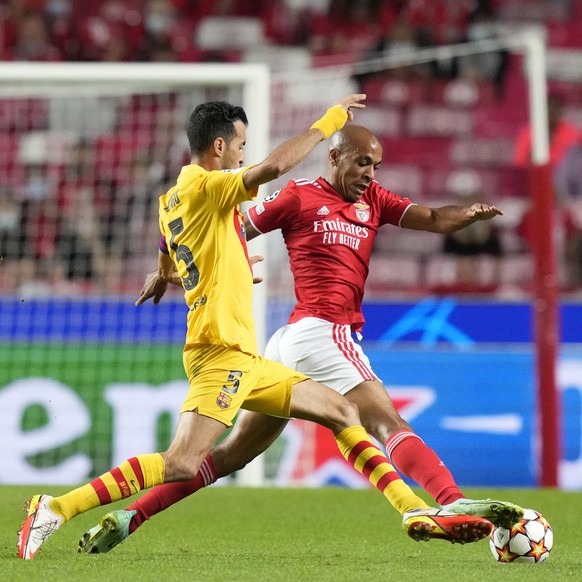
x=223, y=380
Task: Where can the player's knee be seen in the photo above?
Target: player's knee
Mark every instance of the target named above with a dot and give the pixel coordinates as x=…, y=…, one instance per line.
x=179, y=467
x=399, y=424
x=392, y=423
x=382, y=428
x=228, y=459
x=349, y=413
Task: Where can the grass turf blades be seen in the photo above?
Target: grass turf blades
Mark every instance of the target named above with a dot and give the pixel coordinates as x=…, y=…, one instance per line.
x=227, y=533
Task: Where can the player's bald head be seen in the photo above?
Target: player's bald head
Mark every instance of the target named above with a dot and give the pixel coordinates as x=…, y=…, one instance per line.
x=354, y=156
x=354, y=138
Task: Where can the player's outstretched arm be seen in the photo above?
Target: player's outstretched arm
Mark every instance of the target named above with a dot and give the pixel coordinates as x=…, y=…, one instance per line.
x=156, y=283
x=447, y=218
x=290, y=153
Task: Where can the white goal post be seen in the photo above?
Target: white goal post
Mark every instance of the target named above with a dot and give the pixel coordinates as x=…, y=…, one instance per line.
x=33, y=79
x=44, y=80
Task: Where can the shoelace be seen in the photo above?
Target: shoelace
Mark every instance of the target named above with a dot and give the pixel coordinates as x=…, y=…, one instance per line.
x=42, y=531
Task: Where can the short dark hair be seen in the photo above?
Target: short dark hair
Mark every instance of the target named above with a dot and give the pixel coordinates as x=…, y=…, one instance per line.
x=211, y=120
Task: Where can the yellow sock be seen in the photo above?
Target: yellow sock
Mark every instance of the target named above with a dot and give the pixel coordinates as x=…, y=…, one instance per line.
x=133, y=475
x=357, y=448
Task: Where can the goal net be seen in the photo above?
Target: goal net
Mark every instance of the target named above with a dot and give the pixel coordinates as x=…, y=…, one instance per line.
x=87, y=379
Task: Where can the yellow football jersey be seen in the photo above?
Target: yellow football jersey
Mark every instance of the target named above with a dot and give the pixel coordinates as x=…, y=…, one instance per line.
x=204, y=231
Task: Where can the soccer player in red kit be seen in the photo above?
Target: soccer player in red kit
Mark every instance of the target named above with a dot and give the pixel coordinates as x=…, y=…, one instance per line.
x=329, y=226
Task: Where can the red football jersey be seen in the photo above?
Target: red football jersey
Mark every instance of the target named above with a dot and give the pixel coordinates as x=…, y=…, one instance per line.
x=329, y=242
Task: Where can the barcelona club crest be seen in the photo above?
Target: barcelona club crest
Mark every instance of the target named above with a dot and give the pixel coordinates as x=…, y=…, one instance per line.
x=362, y=212
x=223, y=400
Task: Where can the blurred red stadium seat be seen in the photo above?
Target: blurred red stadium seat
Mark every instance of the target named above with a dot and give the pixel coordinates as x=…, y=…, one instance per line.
x=23, y=114
x=10, y=171
x=403, y=179
x=463, y=93
x=482, y=152
x=564, y=34
x=500, y=121
x=389, y=273
x=438, y=120
x=383, y=121
x=423, y=151
x=393, y=91
x=451, y=181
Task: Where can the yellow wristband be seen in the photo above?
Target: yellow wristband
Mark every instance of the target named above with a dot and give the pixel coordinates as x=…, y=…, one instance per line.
x=333, y=120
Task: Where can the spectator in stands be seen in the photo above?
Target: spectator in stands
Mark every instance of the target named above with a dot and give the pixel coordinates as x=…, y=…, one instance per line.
x=7, y=29
x=80, y=171
x=476, y=240
x=568, y=185
x=568, y=175
x=442, y=21
x=135, y=205
x=22, y=268
x=11, y=245
x=168, y=152
x=166, y=36
x=39, y=185
x=33, y=41
x=489, y=66
x=158, y=51
x=399, y=38
x=81, y=218
x=112, y=32
x=80, y=245
x=349, y=28
x=567, y=239
x=238, y=7
x=563, y=134
x=10, y=214
x=62, y=26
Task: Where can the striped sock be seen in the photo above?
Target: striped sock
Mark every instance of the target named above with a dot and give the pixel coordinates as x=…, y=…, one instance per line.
x=162, y=496
x=417, y=461
x=129, y=478
x=356, y=446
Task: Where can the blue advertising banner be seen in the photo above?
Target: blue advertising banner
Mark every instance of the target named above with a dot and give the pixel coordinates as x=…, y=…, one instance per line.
x=94, y=320
x=477, y=410
x=446, y=320
x=480, y=419
x=429, y=322
x=462, y=374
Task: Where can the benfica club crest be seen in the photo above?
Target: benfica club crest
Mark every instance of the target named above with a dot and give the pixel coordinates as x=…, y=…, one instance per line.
x=362, y=212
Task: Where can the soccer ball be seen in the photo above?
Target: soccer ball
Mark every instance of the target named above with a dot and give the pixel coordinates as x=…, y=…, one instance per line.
x=529, y=540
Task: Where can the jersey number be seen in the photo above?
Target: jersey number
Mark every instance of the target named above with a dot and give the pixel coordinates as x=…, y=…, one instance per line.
x=183, y=253
x=233, y=377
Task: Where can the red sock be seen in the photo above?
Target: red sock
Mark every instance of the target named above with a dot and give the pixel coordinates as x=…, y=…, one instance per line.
x=162, y=496
x=408, y=453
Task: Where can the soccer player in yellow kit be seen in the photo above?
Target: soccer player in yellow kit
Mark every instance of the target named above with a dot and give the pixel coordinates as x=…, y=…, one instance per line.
x=203, y=227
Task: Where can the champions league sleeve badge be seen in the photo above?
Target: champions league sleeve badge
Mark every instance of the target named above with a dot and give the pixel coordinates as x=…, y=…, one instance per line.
x=271, y=196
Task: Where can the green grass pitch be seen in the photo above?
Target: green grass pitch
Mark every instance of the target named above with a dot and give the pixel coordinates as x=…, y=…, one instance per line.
x=232, y=534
